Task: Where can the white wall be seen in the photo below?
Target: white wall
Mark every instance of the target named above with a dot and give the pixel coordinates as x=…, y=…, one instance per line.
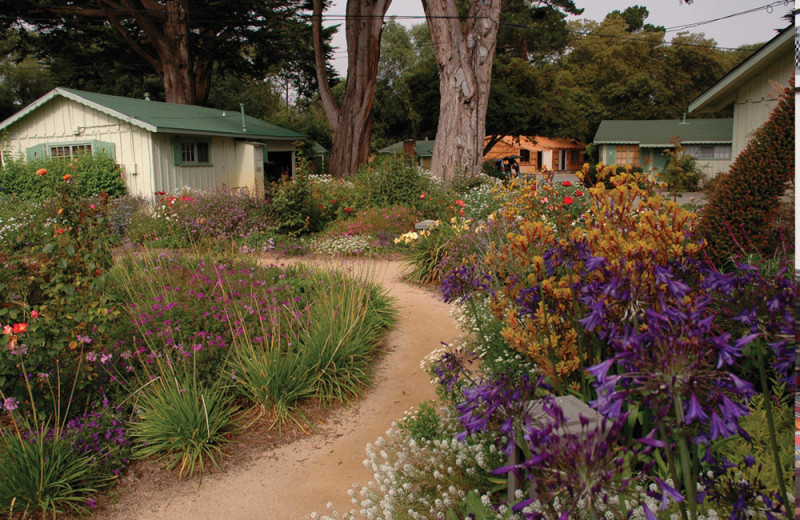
x=756, y=99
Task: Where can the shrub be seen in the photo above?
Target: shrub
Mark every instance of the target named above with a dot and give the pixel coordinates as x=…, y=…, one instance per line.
x=293, y=206
x=180, y=420
x=92, y=173
x=740, y=215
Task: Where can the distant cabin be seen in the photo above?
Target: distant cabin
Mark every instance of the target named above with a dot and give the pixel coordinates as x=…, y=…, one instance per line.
x=642, y=143
x=158, y=146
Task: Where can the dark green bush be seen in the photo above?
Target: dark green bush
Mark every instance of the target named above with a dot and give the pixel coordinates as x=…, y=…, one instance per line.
x=90, y=173
x=742, y=213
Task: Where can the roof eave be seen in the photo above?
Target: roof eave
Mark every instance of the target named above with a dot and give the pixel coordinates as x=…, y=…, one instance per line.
x=722, y=93
x=28, y=109
x=104, y=109
x=184, y=131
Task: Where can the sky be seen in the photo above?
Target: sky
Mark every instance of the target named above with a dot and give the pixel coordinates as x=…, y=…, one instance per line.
x=754, y=27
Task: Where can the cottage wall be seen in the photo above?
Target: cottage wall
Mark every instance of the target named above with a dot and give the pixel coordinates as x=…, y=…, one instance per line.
x=63, y=121
x=756, y=99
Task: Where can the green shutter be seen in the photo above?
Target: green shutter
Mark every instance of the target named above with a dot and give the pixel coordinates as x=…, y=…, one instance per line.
x=177, y=151
x=38, y=151
x=611, y=154
x=266, y=154
x=103, y=147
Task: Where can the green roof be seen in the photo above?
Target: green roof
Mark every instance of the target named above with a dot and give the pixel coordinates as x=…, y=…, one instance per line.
x=423, y=148
x=157, y=116
x=659, y=133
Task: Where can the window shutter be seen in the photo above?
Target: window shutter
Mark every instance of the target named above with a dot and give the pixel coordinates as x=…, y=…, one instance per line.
x=266, y=154
x=611, y=154
x=38, y=151
x=103, y=147
x=177, y=151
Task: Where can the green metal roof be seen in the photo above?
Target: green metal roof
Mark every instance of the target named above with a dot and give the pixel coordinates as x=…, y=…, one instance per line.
x=423, y=148
x=660, y=132
x=157, y=116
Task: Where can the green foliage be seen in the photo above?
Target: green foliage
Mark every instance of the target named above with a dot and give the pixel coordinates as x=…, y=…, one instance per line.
x=91, y=174
x=56, y=270
x=756, y=425
x=681, y=172
x=742, y=213
x=423, y=424
x=181, y=420
x=426, y=252
x=43, y=476
x=390, y=180
x=293, y=206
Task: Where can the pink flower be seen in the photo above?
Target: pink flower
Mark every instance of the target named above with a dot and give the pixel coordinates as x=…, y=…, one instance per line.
x=422, y=196
x=35, y=314
x=92, y=206
x=7, y=330
x=566, y=183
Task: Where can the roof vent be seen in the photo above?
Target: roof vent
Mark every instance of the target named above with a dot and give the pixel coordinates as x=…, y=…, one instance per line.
x=244, y=127
x=684, y=121
x=147, y=96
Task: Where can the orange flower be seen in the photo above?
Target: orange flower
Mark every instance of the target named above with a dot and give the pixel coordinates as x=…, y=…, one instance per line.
x=460, y=203
x=40, y=172
x=59, y=231
x=67, y=177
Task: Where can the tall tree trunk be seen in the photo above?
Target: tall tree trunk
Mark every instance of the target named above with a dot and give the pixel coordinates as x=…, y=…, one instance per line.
x=166, y=26
x=351, y=123
x=464, y=53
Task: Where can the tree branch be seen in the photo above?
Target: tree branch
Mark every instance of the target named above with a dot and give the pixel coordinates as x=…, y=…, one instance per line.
x=328, y=103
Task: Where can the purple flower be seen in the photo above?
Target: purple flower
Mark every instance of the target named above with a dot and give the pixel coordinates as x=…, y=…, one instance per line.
x=10, y=404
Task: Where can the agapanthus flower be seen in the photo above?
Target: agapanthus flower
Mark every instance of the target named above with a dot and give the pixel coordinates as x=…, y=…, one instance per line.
x=463, y=281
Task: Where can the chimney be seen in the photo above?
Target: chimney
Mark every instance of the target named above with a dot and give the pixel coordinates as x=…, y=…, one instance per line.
x=409, y=147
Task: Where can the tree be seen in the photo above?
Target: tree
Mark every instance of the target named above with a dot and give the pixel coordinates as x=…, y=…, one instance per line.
x=464, y=48
x=22, y=80
x=184, y=41
x=351, y=120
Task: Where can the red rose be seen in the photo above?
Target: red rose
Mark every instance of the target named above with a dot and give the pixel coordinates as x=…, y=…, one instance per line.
x=348, y=210
x=578, y=193
x=568, y=200
x=20, y=328
x=566, y=183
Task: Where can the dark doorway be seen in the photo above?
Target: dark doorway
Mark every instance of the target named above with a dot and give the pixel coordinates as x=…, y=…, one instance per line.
x=539, y=160
x=279, y=163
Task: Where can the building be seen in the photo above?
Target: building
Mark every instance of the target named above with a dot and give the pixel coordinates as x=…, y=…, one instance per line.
x=158, y=146
x=752, y=87
x=538, y=153
x=642, y=143
x=421, y=150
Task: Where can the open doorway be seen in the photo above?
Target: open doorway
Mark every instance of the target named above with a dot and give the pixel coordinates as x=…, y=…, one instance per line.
x=277, y=164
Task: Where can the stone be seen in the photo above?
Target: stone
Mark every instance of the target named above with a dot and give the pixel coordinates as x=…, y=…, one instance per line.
x=424, y=225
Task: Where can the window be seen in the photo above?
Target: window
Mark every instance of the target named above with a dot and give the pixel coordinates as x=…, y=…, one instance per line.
x=189, y=152
x=525, y=155
x=574, y=156
x=628, y=154
x=718, y=152
x=69, y=151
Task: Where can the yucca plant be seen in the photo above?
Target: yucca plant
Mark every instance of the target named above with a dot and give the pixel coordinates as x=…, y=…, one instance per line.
x=180, y=421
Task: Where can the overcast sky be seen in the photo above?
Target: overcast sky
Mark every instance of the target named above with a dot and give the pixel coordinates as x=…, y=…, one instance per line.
x=753, y=27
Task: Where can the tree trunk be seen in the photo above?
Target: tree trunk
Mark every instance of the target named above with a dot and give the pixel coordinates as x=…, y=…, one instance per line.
x=351, y=123
x=464, y=53
x=166, y=27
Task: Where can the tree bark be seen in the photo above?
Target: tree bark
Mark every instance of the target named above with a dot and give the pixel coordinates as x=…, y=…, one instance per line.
x=464, y=53
x=166, y=26
x=351, y=123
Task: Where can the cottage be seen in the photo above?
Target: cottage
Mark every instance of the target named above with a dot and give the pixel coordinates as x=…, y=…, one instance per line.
x=538, y=153
x=752, y=87
x=642, y=143
x=422, y=151
x=158, y=146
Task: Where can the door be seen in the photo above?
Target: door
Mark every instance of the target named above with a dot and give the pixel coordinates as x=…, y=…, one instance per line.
x=562, y=160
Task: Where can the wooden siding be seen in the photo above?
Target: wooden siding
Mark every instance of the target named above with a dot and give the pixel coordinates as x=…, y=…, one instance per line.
x=756, y=99
x=65, y=121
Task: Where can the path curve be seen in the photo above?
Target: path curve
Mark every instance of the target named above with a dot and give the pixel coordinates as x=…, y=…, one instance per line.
x=297, y=479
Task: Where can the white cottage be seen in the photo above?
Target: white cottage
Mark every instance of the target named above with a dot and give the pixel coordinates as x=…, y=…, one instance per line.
x=752, y=87
x=158, y=146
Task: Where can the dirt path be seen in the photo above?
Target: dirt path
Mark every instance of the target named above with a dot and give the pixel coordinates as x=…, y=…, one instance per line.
x=297, y=479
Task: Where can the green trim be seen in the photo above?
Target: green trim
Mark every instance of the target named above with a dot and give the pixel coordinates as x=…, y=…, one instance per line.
x=177, y=151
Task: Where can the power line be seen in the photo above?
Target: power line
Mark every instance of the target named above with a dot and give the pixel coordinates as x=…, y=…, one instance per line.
x=767, y=7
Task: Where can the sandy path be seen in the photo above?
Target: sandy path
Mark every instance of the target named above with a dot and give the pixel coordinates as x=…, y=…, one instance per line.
x=297, y=479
